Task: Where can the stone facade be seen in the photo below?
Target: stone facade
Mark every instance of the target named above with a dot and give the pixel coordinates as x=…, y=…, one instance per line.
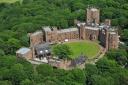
x=112, y=40
x=59, y=35
x=109, y=38
x=36, y=38
x=89, y=33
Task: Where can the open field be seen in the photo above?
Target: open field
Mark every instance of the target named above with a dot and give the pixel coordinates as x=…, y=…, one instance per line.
x=90, y=49
x=8, y=1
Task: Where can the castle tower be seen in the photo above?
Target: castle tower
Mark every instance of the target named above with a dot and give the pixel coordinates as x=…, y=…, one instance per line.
x=36, y=38
x=113, y=40
x=81, y=32
x=93, y=15
x=104, y=38
x=107, y=22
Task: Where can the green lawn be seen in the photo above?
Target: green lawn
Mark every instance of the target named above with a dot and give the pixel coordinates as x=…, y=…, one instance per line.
x=90, y=49
x=8, y=1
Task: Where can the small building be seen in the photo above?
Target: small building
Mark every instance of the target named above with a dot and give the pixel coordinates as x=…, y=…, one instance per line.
x=25, y=53
x=42, y=50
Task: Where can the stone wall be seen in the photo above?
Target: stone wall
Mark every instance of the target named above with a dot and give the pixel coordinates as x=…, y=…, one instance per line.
x=36, y=38
x=54, y=36
x=91, y=34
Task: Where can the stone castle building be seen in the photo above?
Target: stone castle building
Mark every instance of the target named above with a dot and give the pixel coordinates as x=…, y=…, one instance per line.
x=92, y=30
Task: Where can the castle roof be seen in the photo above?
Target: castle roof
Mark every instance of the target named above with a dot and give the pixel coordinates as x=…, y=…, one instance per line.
x=23, y=50
x=91, y=28
x=81, y=24
x=94, y=9
x=113, y=33
x=67, y=30
x=36, y=33
x=46, y=29
x=42, y=49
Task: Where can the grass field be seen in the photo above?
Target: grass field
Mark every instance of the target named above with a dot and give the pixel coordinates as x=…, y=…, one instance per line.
x=90, y=49
x=8, y=1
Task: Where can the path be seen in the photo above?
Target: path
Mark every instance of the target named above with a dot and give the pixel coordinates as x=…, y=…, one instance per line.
x=93, y=61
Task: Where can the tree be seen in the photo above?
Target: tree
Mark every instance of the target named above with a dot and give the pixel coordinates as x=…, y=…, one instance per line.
x=78, y=75
x=27, y=1
x=5, y=82
x=7, y=61
x=17, y=74
x=106, y=65
x=124, y=36
x=12, y=45
x=26, y=82
x=44, y=70
x=62, y=51
x=124, y=78
x=24, y=40
x=28, y=67
x=120, y=55
x=99, y=80
x=2, y=52
x=89, y=71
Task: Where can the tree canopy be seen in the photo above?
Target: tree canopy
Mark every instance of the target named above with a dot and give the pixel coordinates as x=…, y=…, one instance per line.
x=62, y=51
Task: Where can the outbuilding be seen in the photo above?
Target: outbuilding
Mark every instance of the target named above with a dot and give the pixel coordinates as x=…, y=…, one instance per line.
x=24, y=52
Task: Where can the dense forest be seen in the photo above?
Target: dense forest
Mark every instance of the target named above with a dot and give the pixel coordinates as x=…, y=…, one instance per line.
x=110, y=70
x=18, y=19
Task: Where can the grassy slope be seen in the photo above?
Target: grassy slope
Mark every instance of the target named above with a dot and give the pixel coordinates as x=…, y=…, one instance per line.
x=90, y=49
x=8, y=1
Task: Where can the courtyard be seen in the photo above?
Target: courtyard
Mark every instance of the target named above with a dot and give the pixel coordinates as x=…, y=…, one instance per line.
x=88, y=48
x=83, y=47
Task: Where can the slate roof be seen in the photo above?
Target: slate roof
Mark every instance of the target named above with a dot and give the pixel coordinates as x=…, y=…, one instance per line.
x=36, y=33
x=67, y=30
x=43, y=49
x=46, y=29
x=91, y=28
x=23, y=50
x=94, y=9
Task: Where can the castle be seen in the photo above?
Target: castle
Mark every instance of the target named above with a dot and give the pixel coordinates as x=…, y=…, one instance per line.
x=92, y=30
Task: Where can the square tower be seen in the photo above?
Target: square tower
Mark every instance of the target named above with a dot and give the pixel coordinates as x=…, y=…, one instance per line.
x=93, y=15
x=113, y=40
